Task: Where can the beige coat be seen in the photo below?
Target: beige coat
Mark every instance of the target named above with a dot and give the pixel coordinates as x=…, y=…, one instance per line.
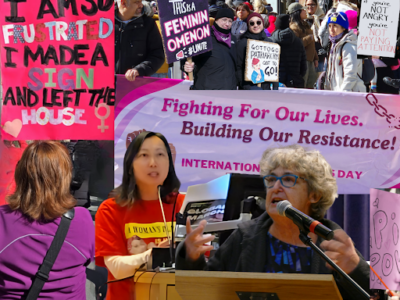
x=308, y=41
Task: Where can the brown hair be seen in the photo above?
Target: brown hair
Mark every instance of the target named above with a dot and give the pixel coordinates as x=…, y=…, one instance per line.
x=244, y=6
x=43, y=178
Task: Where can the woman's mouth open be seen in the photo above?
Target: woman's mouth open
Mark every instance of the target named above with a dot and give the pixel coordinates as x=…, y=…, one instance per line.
x=153, y=174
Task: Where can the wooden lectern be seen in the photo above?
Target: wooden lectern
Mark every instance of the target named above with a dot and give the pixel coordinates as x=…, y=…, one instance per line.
x=155, y=286
x=209, y=285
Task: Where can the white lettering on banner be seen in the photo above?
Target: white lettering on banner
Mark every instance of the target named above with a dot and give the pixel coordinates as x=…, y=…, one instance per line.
x=215, y=132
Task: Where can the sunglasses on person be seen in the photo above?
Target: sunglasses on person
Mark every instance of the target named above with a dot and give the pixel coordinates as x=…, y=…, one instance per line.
x=252, y=23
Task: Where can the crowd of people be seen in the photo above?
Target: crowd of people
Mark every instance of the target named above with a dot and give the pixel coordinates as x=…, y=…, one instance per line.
x=318, y=46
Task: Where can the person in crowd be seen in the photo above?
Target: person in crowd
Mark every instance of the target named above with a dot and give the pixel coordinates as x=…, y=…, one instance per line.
x=271, y=243
x=138, y=45
x=230, y=4
x=216, y=69
x=352, y=17
x=385, y=67
x=344, y=70
x=315, y=15
x=148, y=179
x=395, y=82
x=293, y=61
x=153, y=5
x=338, y=6
x=239, y=26
x=249, y=5
x=255, y=31
x=303, y=31
x=214, y=6
x=11, y=153
x=29, y=223
x=261, y=8
x=236, y=3
x=325, y=5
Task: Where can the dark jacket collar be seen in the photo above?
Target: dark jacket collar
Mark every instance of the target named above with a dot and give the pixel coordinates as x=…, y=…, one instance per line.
x=254, y=245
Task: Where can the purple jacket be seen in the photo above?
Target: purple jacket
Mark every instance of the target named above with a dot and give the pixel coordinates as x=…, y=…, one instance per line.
x=24, y=244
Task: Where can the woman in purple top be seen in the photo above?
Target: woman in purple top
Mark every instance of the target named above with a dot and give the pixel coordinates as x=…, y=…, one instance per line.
x=30, y=220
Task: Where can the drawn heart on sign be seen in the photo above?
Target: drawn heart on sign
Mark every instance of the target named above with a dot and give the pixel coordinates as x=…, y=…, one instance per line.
x=13, y=128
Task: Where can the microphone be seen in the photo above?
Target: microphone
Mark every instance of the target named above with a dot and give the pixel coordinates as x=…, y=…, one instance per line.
x=304, y=222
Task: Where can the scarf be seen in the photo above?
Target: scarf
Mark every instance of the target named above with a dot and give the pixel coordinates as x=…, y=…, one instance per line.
x=335, y=39
x=224, y=36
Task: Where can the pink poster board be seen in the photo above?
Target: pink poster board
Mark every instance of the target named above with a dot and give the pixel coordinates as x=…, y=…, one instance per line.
x=384, y=239
x=57, y=64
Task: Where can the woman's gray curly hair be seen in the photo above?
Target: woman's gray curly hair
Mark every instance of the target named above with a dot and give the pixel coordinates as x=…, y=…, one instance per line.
x=311, y=165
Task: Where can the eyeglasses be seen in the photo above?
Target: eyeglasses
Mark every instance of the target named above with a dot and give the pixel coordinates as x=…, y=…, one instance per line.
x=287, y=180
x=252, y=23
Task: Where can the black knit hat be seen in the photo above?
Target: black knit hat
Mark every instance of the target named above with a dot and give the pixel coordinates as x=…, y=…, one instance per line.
x=282, y=22
x=224, y=13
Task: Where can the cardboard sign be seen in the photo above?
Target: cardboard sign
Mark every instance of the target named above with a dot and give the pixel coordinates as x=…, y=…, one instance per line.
x=378, y=28
x=185, y=28
x=57, y=69
x=220, y=132
x=262, y=61
x=384, y=239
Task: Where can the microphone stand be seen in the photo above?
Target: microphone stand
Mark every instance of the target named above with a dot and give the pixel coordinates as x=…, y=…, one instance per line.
x=307, y=241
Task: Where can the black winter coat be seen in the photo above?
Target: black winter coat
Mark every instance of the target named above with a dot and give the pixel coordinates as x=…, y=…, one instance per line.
x=138, y=45
x=245, y=249
x=215, y=70
x=241, y=61
x=293, y=61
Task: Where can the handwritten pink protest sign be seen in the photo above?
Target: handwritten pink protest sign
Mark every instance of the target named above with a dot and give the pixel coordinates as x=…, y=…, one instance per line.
x=57, y=68
x=384, y=239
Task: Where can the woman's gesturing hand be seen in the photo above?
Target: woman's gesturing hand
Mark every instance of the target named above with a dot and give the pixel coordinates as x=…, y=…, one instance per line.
x=195, y=240
x=341, y=250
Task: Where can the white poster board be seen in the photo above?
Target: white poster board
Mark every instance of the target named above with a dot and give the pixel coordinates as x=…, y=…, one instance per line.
x=378, y=28
x=262, y=62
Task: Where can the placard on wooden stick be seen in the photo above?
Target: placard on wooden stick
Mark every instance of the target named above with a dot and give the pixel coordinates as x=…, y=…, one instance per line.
x=262, y=62
x=378, y=28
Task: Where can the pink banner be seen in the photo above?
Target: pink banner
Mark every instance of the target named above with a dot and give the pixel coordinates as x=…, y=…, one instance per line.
x=219, y=132
x=50, y=51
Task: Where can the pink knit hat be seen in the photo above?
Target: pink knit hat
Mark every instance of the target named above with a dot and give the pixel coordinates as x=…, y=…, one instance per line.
x=352, y=16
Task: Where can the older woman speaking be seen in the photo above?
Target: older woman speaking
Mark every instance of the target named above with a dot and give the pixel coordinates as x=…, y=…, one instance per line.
x=271, y=243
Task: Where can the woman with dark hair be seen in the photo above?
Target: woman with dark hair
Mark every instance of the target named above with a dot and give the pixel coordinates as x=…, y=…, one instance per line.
x=239, y=26
x=131, y=223
x=30, y=221
x=304, y=32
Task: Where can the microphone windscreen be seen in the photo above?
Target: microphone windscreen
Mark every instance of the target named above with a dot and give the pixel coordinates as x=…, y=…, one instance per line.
x=281, y=207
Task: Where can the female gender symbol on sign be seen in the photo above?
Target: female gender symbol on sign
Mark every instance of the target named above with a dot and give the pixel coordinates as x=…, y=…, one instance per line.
x=102, y=127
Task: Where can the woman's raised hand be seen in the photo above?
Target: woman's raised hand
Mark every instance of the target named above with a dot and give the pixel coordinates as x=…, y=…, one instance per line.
x=341, y=250
x=195, y=240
